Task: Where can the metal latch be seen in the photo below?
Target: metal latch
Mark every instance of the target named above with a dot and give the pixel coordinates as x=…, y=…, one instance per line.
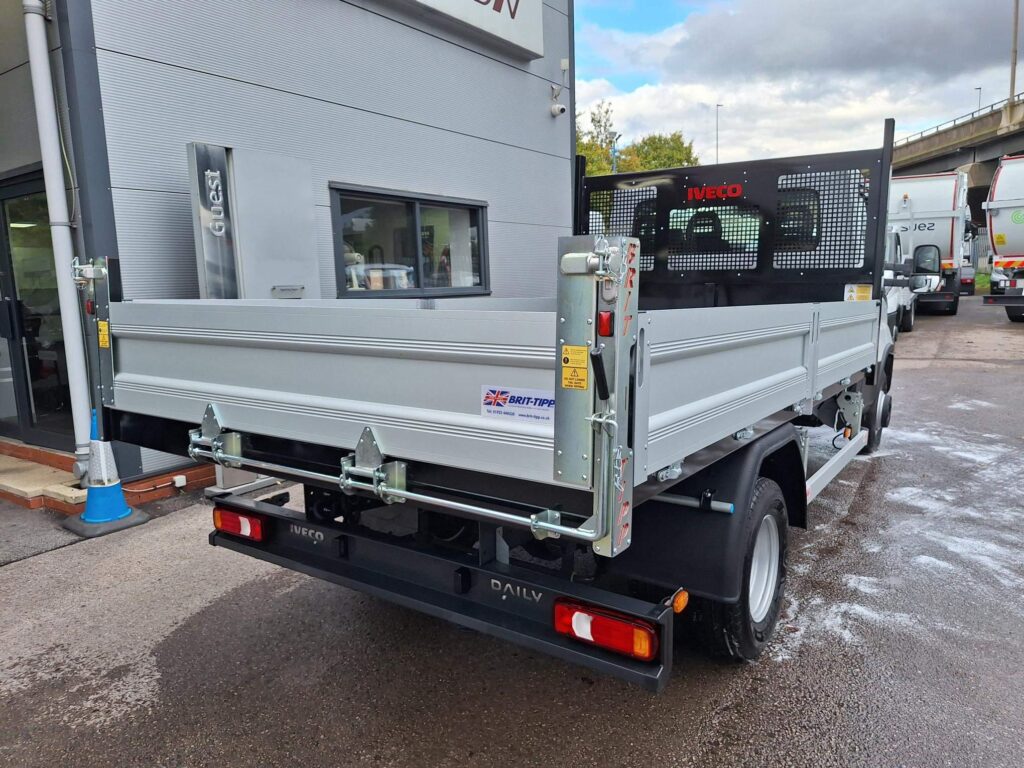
x=87, y=273
x=367, y=463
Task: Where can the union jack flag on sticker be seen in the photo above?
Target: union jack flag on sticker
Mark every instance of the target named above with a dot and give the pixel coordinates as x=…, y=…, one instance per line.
x=516, y=403
x=496, y=398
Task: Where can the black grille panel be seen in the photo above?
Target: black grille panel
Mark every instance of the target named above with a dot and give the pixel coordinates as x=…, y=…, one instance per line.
x=630, y=212
x=821, y=220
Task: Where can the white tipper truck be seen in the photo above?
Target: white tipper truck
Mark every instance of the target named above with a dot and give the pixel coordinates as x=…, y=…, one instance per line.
x=930, y=213
x=568, y=473
x=1005, y=213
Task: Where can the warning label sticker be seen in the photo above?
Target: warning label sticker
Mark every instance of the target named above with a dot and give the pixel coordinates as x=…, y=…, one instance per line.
x=575, y=368
x=103, y=330
x=516, y=403
x=857, y=292
x=1000, y=238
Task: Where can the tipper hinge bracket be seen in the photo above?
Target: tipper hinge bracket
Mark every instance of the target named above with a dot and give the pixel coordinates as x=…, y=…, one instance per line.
x=367, y=464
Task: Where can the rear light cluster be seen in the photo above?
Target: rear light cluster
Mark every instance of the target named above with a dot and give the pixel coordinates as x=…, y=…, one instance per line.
x=238, y=524
x=606, y=629
x=966, y=280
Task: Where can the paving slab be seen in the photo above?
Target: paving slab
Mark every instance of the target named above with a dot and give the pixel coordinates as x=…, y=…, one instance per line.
x=28, y=480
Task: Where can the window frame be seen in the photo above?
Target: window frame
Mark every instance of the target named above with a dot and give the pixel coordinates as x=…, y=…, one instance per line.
x=416, y=200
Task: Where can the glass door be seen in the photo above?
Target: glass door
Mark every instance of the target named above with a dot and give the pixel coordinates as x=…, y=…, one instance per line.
x=31, y=324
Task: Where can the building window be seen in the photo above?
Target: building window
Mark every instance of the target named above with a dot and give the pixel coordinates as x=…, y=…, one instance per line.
x=393, y=244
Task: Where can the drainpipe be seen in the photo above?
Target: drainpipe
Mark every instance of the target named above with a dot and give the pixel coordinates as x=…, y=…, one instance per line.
x=60, y=226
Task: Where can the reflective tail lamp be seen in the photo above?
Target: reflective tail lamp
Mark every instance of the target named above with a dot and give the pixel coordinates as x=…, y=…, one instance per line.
x=237, y=524
x=606, y=629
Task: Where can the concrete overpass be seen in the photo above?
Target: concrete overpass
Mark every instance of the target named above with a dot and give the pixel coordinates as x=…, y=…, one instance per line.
x=973, y=142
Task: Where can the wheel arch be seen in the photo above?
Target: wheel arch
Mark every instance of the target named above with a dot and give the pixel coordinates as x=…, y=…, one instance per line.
x=703, y=551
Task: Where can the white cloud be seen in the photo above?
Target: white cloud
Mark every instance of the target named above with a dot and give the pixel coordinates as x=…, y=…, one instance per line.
x=776, y=118
x=798, y=78
x=625, y=52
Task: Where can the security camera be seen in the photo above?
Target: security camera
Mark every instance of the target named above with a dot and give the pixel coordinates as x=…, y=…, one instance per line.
x=557, y=110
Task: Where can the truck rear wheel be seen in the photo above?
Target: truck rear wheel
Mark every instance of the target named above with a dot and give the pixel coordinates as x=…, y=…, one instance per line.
x=1015, y=314
x=741, y=630
x=909, y=315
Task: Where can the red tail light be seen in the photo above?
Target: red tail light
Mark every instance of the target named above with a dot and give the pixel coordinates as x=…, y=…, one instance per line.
x=606, y=629
x=237, y=524
x=966, y=280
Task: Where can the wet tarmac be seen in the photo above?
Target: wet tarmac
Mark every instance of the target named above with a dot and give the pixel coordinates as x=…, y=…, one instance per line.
x=902, y=642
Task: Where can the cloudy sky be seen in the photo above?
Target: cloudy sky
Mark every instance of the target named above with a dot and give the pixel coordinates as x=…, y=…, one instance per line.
x=794, y=76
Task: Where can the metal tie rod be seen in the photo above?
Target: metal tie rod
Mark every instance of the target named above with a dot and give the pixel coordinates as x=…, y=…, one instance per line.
x=534, y=522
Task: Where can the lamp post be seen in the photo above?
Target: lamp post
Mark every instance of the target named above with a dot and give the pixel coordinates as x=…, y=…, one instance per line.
x=717, y=107
x=1013, y=51
x=978, y=89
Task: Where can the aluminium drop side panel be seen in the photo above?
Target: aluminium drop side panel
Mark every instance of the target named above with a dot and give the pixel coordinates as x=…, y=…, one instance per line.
x=320, y=373
x=716, y=371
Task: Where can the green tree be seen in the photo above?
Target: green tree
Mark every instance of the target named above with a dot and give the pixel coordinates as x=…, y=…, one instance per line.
x=598, y=144
x=657, y=150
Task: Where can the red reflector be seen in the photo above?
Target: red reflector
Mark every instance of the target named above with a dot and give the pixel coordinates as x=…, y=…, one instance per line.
x=246, y=526
x=606, y=629
x=605, y=323
x=90, y=307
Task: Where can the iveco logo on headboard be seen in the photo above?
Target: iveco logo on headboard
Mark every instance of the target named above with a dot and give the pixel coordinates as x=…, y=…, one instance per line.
x=518, y=24
x=720, y=192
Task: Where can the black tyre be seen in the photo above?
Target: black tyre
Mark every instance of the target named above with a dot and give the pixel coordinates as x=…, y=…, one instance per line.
x=740, y=631
x=955, y=306
x=909, y=315
x=1015, y=314
x=878, y=411
x=877, y=420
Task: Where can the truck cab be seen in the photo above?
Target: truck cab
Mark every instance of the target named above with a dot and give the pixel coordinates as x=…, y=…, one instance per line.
x=931, y=215
x=900, y=299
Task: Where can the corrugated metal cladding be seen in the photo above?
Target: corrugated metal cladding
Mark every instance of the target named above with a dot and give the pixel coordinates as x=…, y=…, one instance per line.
x=371, y=92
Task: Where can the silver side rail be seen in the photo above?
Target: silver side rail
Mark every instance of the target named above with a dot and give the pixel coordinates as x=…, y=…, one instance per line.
x=827, y=473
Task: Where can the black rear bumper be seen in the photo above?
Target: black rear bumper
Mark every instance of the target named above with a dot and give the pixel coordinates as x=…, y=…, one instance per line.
x=506, y=601
x=1016, y=300
x=945, y=298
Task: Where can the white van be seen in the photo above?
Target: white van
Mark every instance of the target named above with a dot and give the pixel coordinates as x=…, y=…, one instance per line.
x=900, y=300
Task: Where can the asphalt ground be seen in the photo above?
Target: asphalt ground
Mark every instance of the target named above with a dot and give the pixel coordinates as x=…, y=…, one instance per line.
x=901, y=642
